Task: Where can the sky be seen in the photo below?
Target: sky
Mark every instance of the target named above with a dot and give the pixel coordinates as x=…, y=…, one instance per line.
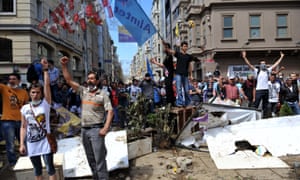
x=126, y=51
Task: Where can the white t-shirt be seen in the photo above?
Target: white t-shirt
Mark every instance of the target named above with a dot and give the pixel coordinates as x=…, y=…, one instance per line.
x=274, y=89
x=36, y=140
x=135, y=91
x=262, y=79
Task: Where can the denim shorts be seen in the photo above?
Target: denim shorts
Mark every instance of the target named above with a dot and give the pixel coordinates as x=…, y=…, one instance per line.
x=37, y=164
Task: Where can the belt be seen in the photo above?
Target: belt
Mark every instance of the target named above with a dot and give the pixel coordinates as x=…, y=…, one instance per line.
x=101, y=125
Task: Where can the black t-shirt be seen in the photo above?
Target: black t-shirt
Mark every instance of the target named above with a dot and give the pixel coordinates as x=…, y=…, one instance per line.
x=183, y=61
x=168, y=63
x=247, y=87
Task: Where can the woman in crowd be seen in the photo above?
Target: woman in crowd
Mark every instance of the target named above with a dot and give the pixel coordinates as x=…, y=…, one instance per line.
x=35, y=125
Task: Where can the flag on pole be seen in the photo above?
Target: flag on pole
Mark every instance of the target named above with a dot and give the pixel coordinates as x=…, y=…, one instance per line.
x=137, y=23
x=149, y=69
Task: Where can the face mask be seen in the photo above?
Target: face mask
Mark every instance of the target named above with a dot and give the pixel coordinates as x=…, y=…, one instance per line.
x=91, y=87
x=36, y=102
x=263, y=66
x=12, y=86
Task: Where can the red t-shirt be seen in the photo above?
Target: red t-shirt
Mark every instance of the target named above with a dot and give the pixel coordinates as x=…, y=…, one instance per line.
x=231, y=92
x=114, y=98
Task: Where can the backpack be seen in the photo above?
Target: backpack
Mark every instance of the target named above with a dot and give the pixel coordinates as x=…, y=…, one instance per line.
x=31, y=74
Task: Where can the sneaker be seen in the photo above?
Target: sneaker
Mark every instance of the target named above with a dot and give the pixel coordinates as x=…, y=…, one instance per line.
x=273, y=114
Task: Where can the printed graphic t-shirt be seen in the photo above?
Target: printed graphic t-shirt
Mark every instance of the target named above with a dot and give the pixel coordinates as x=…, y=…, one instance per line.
x=36, y=140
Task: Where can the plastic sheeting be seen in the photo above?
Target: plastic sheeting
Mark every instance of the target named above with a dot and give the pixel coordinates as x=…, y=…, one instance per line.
x=75, y=163
x=193, y=133
x=279, y=136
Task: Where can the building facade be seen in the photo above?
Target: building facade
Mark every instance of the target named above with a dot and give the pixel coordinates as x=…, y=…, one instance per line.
x=217, y=31
x=263, y=28
x=22, y=40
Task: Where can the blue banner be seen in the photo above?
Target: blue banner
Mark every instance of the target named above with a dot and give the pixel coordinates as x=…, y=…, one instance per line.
x=132, y=16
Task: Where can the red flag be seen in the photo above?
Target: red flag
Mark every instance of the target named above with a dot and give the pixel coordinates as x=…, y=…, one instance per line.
x=60, y=10
x=96, y=19
x=68, y=27
x=43, y=23
x=71, y=31
x=63, y=23
x=89, y=10
x=71, y=4
x=76, y=17
x=82, y=24
x=54, y=17
x=105, y=3
x=110, y=12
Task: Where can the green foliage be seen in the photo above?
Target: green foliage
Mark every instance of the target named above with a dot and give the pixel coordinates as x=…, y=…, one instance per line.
x=137, y=115
x=163, y=124
x=139, y=118
x=285, y=110
x=161, y=120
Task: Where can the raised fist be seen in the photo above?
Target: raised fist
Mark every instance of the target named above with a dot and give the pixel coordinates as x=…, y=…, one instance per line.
x=64, y=60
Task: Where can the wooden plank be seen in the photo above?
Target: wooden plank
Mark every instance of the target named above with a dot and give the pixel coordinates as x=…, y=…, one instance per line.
x=182, y=115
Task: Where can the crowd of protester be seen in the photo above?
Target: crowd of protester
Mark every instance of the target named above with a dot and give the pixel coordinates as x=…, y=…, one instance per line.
x=264, y=84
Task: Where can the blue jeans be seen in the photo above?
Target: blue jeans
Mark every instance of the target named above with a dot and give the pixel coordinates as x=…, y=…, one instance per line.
x=94, y=146
x=37, y=164
x=264, y=96
x=294, y=106
x=54, y=92
x=116, y=115
x=182, y=88
x=11, y=130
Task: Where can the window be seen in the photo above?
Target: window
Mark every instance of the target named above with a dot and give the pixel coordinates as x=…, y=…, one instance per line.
x=39, y=9
x=158, y=48
x=227, y=26
x=44, y=50
x=73, y=64
x=255, y=26
x=282, y=26
x=8, y=7
x=6, y=49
